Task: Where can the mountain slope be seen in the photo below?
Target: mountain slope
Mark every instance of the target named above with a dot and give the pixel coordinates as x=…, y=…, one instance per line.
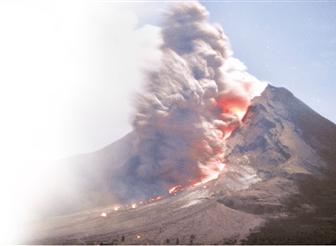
x=291, y=150
x=277, y=187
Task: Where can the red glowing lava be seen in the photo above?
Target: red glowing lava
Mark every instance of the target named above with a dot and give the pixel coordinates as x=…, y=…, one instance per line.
x=175, y=189
x=233, y=109
x=233, y=106
x=156, y=198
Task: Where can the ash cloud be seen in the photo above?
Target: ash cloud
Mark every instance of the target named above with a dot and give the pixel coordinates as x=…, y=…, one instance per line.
x=190, y=105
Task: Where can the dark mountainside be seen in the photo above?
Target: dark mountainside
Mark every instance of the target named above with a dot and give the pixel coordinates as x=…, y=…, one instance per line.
x=292, y=149
x=277, y=188
x=297, y=160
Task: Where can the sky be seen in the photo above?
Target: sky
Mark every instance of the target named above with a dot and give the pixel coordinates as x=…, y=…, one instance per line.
x=71, y=68
x=69, y=71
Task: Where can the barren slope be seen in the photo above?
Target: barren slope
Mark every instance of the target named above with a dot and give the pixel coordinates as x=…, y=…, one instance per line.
x=277, y=187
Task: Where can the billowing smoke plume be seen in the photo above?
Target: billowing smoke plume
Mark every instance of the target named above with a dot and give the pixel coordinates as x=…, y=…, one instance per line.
x=192, y=103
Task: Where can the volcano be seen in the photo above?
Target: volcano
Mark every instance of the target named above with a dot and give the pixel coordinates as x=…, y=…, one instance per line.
x=277, y=187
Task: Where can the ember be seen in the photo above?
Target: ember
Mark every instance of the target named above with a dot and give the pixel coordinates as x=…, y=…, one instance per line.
x=175, y=189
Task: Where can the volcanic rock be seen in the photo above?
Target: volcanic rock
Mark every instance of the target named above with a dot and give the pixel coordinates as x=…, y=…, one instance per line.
x=277, y=188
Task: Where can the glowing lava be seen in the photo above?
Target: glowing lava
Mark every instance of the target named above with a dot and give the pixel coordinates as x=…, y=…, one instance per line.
x=211, y=173
x=192, y=103
x=175, y=189
x=157, y=198
x=232, y=108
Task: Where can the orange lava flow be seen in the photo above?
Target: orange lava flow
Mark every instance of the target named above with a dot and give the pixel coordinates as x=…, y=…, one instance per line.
x=175, y=189
x=233, y=110
x=233, y=105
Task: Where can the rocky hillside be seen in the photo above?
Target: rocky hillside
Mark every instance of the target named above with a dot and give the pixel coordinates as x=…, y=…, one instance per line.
x=277, y=187
x=288, y=151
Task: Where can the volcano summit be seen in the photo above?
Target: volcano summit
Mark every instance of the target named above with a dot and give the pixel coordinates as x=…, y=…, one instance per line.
x=277, y=187
x=214, y=158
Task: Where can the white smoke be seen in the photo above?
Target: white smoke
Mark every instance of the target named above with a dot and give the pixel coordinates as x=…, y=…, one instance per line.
x=192, y=103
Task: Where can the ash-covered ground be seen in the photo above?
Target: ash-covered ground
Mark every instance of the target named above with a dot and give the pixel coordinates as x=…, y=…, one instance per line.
x=277, y=188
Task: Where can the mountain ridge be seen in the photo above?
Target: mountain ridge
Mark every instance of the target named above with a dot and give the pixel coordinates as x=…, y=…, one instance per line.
x=278, y=180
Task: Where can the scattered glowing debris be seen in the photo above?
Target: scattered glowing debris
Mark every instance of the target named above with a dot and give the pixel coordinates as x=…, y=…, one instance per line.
x=175, y=189
x=212, y=172
x=156, y=198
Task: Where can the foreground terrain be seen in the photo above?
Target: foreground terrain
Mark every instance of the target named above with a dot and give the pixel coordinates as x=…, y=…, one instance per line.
x=277, y=187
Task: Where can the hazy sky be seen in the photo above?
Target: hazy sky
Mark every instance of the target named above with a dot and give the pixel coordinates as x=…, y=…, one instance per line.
x=71, y=68
x=68, y=70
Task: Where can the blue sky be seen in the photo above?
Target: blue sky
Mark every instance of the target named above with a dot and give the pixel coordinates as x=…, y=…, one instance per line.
x=291, y=44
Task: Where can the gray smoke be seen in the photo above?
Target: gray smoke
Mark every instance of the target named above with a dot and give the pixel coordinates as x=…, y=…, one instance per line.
x=191, y=104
